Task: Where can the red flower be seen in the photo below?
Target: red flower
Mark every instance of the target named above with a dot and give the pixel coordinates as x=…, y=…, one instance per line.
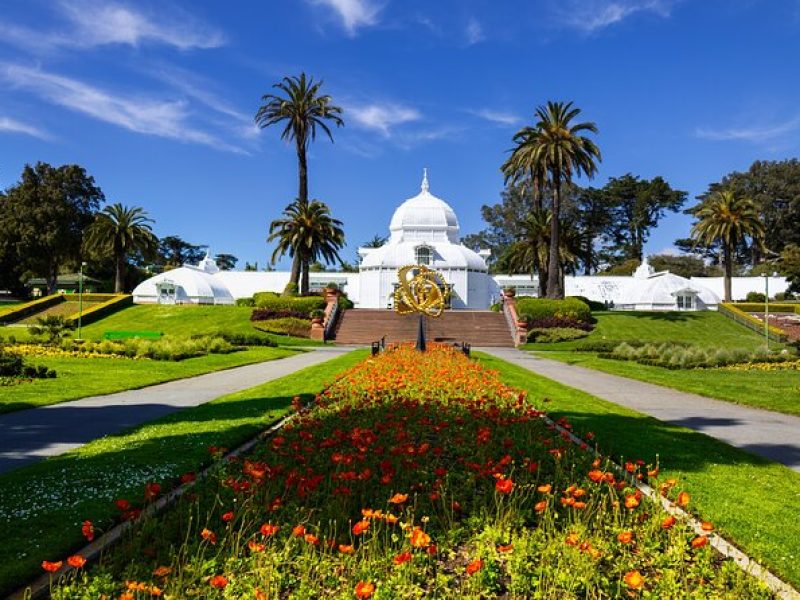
x=188, y=477
x=87, y=529
x=311, y=539
x=298, y=531
x=504, y=485
x=364, y=589
x=668, y=522
x=76, y=561
x=218, y=581
x=51, y=567
x=122, y=504
x=228, y=516
x=268, y=530
x=209, y=535
x=402, y=558
x=360, y=527
x=151, y=490
x=255, y=546
x=475, y=566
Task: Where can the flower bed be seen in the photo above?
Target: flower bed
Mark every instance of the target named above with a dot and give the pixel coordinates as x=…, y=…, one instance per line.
x=414, y=475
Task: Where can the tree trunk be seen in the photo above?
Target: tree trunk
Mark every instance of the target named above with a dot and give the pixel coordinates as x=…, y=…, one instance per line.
x=587, y=257
x=52, y=279
x=302, y=172
x=294, y=277
x=304, y=281
x=554, y=289
x=119, y=279
x=727, y=254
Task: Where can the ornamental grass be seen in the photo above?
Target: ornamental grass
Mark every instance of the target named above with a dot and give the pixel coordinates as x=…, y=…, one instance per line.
x=413, y=476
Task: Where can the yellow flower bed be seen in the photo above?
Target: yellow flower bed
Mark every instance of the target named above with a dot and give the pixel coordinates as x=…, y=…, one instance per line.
x=54, y=352
x=766, y=366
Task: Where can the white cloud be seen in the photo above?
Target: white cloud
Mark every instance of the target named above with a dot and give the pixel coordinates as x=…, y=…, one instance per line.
x=474, y=31
x=382, y=117
x=94, y=23
x=752, y=133
x=353, y=13
x=594, y=15
x=162, y=118
x=496, y=116
x=9, y=125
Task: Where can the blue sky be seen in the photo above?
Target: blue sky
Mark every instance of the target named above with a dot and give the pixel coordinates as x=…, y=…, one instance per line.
x=156, y=99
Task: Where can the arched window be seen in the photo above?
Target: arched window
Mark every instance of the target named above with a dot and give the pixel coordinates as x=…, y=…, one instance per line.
x=423, y=255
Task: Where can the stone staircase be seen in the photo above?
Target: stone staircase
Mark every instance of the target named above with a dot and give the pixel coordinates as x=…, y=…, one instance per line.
x=475, y=327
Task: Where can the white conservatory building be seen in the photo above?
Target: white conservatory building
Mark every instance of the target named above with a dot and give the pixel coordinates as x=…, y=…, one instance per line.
x=424, y=230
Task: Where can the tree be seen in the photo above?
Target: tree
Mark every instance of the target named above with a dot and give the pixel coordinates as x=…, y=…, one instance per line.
x=790, y=266
x=683, y=265
x=309, y=232
x=593, y=219
x=174, y=252
x=728, y=219
x=226, y=262
x=376, y=242
x=555, y=147
x=43, y=217
x=121, y=231
x=301, y=106
x=635, y=206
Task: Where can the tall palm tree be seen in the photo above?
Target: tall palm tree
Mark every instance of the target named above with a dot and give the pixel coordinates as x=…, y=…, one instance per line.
x=727, y=219
x=555, y=147
x=376, y=242
x=121, y=231
x=301, y=106
x=530, y=251
x=307, y=232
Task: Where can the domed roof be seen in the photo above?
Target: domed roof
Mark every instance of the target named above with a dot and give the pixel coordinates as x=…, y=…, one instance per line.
x=190, y=283
x=425, y=213
x=662, y=288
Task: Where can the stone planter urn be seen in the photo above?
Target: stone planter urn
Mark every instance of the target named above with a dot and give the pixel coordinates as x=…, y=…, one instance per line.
x=509, y=292
x=316, y=321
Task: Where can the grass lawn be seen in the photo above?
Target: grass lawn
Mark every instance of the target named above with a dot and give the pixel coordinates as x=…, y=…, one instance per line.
x=771, y=390
x=42, y=506
x=185, y=320
x=749, y=499
x=704, y=328
x=81, y=377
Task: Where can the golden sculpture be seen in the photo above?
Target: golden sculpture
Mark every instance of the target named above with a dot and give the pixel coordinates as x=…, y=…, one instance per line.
x=420, y=291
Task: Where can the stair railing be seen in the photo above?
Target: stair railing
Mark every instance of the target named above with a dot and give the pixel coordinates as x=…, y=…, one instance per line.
x=331, y=318
x=518, y=334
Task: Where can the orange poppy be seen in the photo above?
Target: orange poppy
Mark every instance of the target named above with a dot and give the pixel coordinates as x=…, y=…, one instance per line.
x=505, y=548
x=540, y=506
x=402, y=558
x=298, y=531
x=631, y=501
x=699, y=541
x=668, y=522
x=256, y=546
x=398, y=499
x=706, y=526
x=419, y=539
x=683, y=499
x=162, y=571
x=360, y=527
x=218, y=581
x=346, y=549
x=626, y=537
x=209, y=536
x=76, y=561
x=634, y=580
x=475, y=566
x=544, y=489
x=364, y=589
x=268, y=529
x=504, y=485
x=51, y=567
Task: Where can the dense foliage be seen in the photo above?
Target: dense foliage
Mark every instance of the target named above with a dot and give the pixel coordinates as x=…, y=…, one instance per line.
x=300, y=304
x=538, y=309
x=286, y=326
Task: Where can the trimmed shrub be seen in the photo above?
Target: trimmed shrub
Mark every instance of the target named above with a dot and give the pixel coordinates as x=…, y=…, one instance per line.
x=287, y=326
x=755, y=297
x=14, y=367
x=593, y=305
x=552, y=335
x=107, y=304
x=241, y=338
x=345, y=303
x=291, y=289
x=267, y=314
x=300, y=304
x=245, y=302
x=20, y=311
x=542, y=308
x=676, y=356
x=559, y=323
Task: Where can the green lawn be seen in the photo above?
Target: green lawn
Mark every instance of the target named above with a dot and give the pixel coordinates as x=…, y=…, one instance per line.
x=42, y=506
x=771, y=390
x=750, y=500
x=81, y=377
x=182, y=320
x=701, y=328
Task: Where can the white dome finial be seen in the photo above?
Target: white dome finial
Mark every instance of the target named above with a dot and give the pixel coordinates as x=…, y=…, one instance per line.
x=424, y=185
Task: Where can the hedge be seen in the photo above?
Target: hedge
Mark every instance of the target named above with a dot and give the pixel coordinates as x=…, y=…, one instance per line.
x=543, y=308
x=733, y=311
x=287, y=326
x=300, y=304
x=29, y=308
x=109, y=303
x=758, y=307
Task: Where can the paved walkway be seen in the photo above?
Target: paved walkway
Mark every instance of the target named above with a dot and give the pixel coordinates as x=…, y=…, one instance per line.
x=28, y=436
x=769, y=434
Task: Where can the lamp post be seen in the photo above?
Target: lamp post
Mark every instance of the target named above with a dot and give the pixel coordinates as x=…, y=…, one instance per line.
x=80, y=299
x=766, y=308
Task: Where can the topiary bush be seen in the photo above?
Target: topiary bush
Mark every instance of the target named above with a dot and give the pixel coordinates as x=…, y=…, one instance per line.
x=755, y=297
x=299, y=304
x=287, y=326
x=245, y=302
x=559, y=323
x=552, y=335
x=543, y=308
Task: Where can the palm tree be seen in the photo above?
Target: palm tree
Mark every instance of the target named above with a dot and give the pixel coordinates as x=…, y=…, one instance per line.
x=727, y=219
x=529, y=252
x=555, y=148
x=303, y=109
x=121, y=231
x=376, y=242
x=307, y=232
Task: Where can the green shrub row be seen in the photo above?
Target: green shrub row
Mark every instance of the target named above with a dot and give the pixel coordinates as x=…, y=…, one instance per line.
x=758, y=307
x=551, y=335
x=241, y=338
x=675, y=356
x=286, y=326
x=743, y=317
x=165, y=348
x=301, y=304
x=21, y=311
x=543, y=308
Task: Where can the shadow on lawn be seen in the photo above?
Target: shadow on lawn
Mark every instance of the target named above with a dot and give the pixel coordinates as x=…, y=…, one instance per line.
x=674, y=316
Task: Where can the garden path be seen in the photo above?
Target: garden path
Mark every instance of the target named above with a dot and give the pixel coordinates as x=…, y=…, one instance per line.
x=27, y=436
x=769, y=434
